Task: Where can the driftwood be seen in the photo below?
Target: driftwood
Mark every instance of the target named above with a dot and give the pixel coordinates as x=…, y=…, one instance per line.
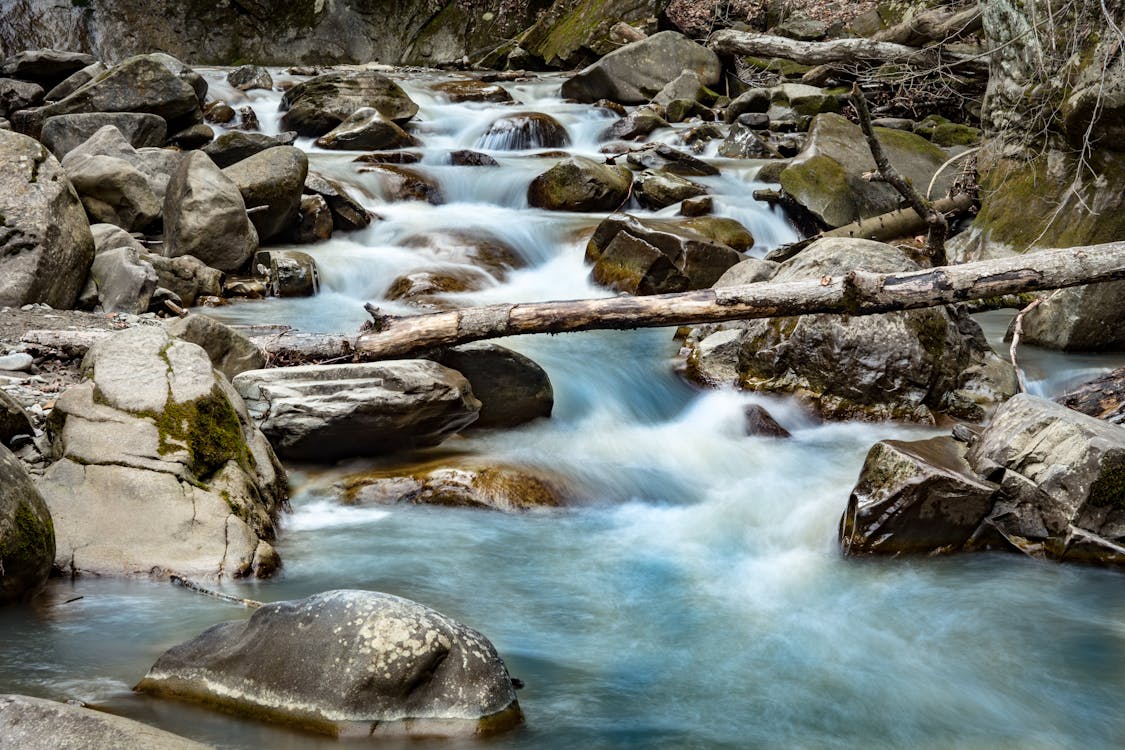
x=936, y=25
x=935, y=220
x=855, y=293
x=730, y=42
x=902, y=222
x=178, y=580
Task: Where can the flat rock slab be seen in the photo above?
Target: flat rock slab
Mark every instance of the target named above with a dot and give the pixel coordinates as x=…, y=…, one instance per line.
x=329, y=412
x=37, y=724
x=348, y=663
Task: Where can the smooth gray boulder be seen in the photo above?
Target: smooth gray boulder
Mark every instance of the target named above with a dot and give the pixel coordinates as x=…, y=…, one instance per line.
x=156, y=164
x=44, y=66
x=318, y=105
x=27, y=536
x=512, y=388
x=45, y=243
x=205, y=216
x=63, y=133
x=113, y=191
x=158, y=466
x=138, y=84
x=271, y=180
x=125, y=281
x=230, y=148
x=637, y=72
x=75, y=81
x=913, y=365
x=249, y=77
x=187, y=277
x=231, y=353
x=366, y=129
x=17, y=95
x=580, y=184
x=356, y=664
x=38, y=724
x=1082, y=318
x=111, y=236
x=328, y=412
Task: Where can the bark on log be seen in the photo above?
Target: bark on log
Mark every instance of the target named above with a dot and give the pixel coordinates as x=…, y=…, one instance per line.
x=937, y=25
x=902, y=222
x=856, y=293
x=730, y=42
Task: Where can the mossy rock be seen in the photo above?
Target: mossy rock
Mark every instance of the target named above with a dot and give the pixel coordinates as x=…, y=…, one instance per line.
x=27, y=535
x=580, y=184
x=955, y=134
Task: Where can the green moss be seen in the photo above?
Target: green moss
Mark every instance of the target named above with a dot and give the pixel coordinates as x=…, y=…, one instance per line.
x=953, y=134
x=1108, y=490
x=207, y=427
x=558, y=39
x=31, y=540
x=784, y=68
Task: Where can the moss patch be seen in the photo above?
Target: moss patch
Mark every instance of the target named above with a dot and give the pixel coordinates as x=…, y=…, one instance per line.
x=31, y=541
x=208, y=428
x=1108, y=490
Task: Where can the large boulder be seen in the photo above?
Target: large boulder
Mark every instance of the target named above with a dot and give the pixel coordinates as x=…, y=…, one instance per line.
x=44, y=66
x=512, y=388
x=230, y=148
x=62, y=133
x=1040, y=479
x=655, y=256
x=27, y=536
x=38, y=724
x=327, y=412
x=45, y=243
x=316, y=106
x=159, y=466
x=187, y=277
x=17, y=95
x=366, y=129
x=347, y=212
x=205, y=216
x=524, y=130
x=637, y=72
x=155, y=164
x=580, y=184
x=356, y=663
x=143, y=83
x=568, y=35
x=1083, y=318
x=113, y=191
x=826, y=178
x=272, y=179
x=912, y=365
x=124, y=279
x=231, y=353
x=249, y=77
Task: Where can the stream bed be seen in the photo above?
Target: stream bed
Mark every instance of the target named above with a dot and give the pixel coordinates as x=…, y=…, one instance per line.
x=693, y=595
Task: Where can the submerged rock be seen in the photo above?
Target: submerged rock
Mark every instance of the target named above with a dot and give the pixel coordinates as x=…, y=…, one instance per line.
x=472, y=90
x=522, y=131
x=27, y=535
x=356, y=664
x=405, y=184
x=463, y=485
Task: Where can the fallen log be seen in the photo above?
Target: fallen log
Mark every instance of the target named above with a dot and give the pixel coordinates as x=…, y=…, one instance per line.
x=856, y=293
x=936, y=25
x=730, y=42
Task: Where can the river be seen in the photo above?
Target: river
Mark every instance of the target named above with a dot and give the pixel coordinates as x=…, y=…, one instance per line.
x=693, y=596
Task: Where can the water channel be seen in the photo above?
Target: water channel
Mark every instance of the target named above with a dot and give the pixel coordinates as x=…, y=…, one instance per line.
x=694, y=595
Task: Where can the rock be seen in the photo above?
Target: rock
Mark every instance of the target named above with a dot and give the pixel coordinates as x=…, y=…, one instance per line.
x=635, y=73
x=425, y=288
x=1082, y=318
x=745, y=142
x=522, y=131
x=760, y=423
x=466, y=485
x=472, y=90
x=63, y=133
x=721, y=229
x=125, y=281
x=512, y=388
x=316, y=221
x=917, y=497
x=27, y=537
x=112, y=190
x=1103, y=397
x=17, y=95
x=184, y=72
x=357, y=663
x=159, y=466
x=231, y=148
x=205, y=216
x=656, y=190
x=749, y=271
x=701, y=205
x=685, y=86
x=827, y=177
x=690, y=260
x=13, y=419
x=366, y=129
x=273, y=179
x=347, y=212
x=16, y=362
x=580, y=184
x=75, y=81
x=249, y=77
x=466, y=158
x=45, y=66
x=663, y=156
x=752, y=101
x=38, y=724
x=324, y=413
x=910, y=366
x=138, y=84
x=469, y=247
x=110, y=236
x=291, y=273
x=405, y=184
x=230, y=352
x=186, y=276
x=638, y=124
x=806, y=101
x=314, y=107
x=192, y=137
x=1061, y=481
x=218, y=112
x=155, y=164
x=45, y=243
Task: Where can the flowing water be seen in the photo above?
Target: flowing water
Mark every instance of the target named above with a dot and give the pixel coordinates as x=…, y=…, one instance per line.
x=694, y=596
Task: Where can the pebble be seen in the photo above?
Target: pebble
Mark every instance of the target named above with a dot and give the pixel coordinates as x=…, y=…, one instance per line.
x=16, y=362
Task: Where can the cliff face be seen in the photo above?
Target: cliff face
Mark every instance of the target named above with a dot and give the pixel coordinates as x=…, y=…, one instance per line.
x=270, y=32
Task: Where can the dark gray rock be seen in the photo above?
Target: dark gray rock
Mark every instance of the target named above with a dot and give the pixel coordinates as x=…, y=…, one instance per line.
x=580, y=184
x=657, y=190
x=347, y=212
x=634, y=126
x=63, y=133
x=45, y=66
x=37, y=724
x=75, y=81
x=273, y=178
x=522, y=131
x=356, y=663
x=290, y=273
x=759, y=422
x=27, y=536
x=187, y=277
x=16, y=95
x=663, y=156
x=1103, y=397
x=248, y=77
x=231, y=148
x=366, y=129
x=113, y=191
x=512, y=388
x=13, y=419
x=314, y=107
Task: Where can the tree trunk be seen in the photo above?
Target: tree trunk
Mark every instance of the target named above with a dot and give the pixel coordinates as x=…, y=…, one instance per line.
x=852, y=51
x=937, y=25
x=856, y=293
